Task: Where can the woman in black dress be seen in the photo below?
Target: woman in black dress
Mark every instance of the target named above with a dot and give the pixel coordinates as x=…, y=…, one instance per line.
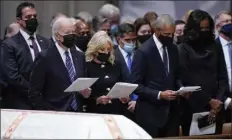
x=202, y=64
x=101, y=64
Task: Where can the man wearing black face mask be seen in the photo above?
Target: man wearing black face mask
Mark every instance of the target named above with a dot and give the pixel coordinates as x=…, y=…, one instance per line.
x=155, y=69
x=179, y=31
x=56, y=69
x=225, y=41
x=83, y=35
x=18, y=54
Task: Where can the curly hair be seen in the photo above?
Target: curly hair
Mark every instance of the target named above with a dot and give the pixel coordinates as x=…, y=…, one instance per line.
x=192, y=27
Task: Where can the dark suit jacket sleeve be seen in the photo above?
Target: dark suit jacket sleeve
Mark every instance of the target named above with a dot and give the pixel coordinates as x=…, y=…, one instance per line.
x=177, y=68
x=138, y=76
x=10, y=69
x=222, y=75
x=37, y=80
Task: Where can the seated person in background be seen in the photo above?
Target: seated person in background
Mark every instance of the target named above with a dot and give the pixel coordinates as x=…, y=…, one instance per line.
x=83, y=34
x=11, y=30
x=143, y=30
x=150, y=17
x=101, y=63
x=179, y=32
x=56, y=69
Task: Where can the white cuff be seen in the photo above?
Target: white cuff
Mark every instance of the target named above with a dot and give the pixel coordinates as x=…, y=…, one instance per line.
x=227, y=102
x=158, y=97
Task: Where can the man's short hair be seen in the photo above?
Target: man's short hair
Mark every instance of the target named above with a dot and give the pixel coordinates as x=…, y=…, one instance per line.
x=150, y=16
x=218, y=15
x=125, y=28
x=164, y=19
x=21, y=6
x=177, y=22
x=109, y=11
x=98, y=21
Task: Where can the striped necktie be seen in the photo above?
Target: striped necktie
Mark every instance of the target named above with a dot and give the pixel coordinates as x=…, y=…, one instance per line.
x=71, y=73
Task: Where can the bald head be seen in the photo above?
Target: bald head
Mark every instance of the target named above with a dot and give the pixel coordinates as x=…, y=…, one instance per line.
x=12, y=30
x=82, y=28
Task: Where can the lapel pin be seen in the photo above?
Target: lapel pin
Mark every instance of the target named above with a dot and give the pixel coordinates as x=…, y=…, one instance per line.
x=102, y=66
x=40, y=40
x=106, y=76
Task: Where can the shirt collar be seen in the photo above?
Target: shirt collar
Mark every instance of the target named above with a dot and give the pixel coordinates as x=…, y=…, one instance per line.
x=62, y=50
x=223, y=41
x=26, y=35
x=124, y=53
x=157, y=42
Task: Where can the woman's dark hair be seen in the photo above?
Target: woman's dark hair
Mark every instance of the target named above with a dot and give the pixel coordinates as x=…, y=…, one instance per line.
x=140, y=22
x=192, y=27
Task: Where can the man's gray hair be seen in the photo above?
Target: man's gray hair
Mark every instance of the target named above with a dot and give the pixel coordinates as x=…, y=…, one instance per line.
x=109, y=11
x=98, y=21
x=218, y=15
x=55, y=17
x=58, y=23
x=164, y=19
x=86, y=16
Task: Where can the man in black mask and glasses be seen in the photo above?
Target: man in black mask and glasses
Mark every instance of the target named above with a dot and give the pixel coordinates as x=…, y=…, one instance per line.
x=56, y=69
x=18, y=54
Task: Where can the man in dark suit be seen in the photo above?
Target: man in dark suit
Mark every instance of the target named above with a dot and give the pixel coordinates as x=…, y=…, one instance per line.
x=124, y=55
x=155, y=69
x=224, y=39
x=18, y=54
x=56, y=69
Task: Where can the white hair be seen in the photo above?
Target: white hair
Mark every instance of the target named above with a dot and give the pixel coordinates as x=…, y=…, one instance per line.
x=109, y=11
x=217, y=17
x=164, y=19
x=86, y=16
x=55, y=17
x=74, y=20
x=58, y=23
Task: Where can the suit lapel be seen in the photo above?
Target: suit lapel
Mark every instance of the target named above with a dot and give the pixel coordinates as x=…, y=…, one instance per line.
x=121, y=59
x=75, y=62
x=41, y=42
x=24, y=44
x=60, y=64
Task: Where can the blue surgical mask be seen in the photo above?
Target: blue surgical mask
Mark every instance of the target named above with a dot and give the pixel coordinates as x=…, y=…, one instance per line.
x=114, y=29
x=129, y=47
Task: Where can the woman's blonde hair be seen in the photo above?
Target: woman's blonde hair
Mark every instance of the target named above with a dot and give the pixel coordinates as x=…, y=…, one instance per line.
x=98, y=42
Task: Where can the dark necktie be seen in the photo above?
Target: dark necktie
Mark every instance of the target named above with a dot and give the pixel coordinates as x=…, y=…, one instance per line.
x=34, y=46
x=129, y=63
x=165, y=59
x=71, y=73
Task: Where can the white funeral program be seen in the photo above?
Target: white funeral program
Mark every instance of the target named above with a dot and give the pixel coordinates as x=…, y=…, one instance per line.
x=81, y=84
x=120, y=90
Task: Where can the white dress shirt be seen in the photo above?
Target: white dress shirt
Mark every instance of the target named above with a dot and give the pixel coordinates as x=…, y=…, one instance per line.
x=63, y=56
x=225, y=48
x=125, y=55
x=26, y=36
x=160, y=49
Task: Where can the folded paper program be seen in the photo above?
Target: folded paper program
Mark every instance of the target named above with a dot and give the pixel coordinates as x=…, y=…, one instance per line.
x=184, y=90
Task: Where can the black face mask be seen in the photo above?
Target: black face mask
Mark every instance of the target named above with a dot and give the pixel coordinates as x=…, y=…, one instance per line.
x=165, y=40
x=103, y=57
x=31, y=25
x=82, y=42
x=180, y=39
x=143, y=38
x=69, y=40
x=205, y=37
